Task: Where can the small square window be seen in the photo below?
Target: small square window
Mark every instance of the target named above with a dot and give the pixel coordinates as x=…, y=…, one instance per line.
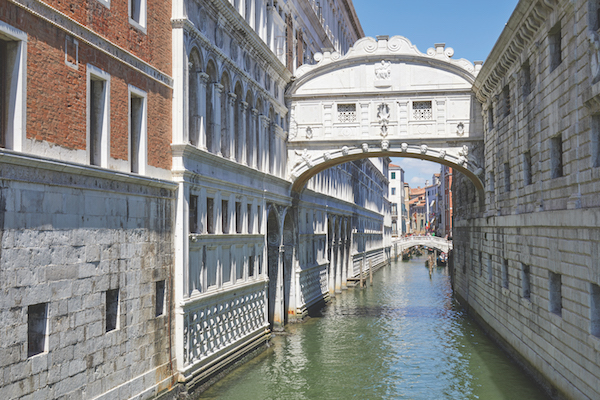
x=526, y=79
x=595, y=309
x=526, y=281
x=112, y=309
x=193, y=214
x=159, y=298
x=505, y=273
x=596, y=140
x=554, y=44
x=225, y=216
x=507, y=177
x=37, y=326
x=556, y=156
x=527, y=168
x=210, y=215
x=555, y=294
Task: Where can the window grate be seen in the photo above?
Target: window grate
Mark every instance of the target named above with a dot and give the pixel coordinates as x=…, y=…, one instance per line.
x=422, y=110
x=346, y=113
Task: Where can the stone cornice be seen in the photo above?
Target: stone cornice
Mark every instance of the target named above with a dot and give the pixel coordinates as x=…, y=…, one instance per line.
x=521, y=28
x=353, y=18
x=92, y=39
x=74, y=169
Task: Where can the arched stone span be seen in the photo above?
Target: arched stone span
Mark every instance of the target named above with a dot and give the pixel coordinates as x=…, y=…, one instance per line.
x=384, y=98
x=435, y=242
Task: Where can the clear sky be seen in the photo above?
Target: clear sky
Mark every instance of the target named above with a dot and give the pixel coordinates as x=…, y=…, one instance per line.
x=470, y=27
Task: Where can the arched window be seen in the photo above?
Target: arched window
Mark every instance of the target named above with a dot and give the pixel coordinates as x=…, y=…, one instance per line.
x=195, y=68
x=225, y=106
x=210, y=112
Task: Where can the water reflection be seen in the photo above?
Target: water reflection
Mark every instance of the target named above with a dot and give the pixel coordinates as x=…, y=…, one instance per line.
x=402, y=338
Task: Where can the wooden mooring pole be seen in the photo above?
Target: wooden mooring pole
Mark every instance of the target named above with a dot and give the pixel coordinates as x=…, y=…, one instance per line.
x=362, y=279
x=370, y=273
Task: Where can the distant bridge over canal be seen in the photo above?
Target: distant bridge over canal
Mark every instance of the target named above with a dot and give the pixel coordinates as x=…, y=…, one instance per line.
x=435, y=242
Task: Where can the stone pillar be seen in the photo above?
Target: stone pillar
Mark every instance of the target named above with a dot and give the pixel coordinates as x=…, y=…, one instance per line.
x=216, y=104
x=229, y=134
x=203, y=81
x=262, y=138
x=242, y=134
x=255, y=139
x=338, y=264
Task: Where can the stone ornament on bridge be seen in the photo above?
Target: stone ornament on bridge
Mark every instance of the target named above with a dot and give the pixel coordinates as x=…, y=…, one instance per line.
x=383, y=114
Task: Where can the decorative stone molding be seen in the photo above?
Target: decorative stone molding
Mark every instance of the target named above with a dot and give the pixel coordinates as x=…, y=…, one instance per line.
x=517, y=35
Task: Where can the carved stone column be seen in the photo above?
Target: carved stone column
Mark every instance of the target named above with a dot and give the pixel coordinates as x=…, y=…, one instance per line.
x=255, y=139
x=216, y=122
x=203, y=81
x=263, y=141
x=229, y=133
x=241, y=136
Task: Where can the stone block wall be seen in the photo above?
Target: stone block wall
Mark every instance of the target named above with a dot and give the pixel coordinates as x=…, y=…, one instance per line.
x=526, y=248
x=72, y=238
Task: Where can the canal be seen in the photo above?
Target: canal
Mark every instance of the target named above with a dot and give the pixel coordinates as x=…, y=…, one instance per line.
x=404, y=337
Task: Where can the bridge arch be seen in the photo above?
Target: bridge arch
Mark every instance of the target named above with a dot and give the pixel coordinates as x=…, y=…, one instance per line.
x=384, y=98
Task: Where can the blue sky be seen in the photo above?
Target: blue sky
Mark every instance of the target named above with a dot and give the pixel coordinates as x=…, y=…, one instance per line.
x=470, y=27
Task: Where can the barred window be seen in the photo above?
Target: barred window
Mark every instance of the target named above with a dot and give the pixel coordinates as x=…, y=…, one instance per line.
x=422, y=110
x=346, y=113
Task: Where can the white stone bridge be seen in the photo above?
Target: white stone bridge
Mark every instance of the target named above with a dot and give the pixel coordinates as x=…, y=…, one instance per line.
x=435, y=242
x=384, y=98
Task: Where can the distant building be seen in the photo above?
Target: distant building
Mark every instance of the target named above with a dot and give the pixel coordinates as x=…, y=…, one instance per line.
x=396, y=197
x=417, y=210
x=445, y=206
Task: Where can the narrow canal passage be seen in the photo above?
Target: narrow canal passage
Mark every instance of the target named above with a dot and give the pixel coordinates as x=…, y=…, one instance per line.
x=404, y=337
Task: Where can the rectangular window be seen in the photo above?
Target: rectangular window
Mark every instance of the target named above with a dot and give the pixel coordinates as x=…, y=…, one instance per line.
x=193, y=214
x=346, y=113
x=13, y=67
x=225, y=216
x=239, y=217
x=505, y=273
x=137, y=130
x=527, y=168
x=259, y=263
x=98, y=116
x=71, y=52
x=554, y=45
x=490, y=268
x=422, y=110
x=556, y=156
x=526, y=281
x=492, y=181
x=137, y=13
x=595, y=140
x=159, y=298
x=393, y=175
x=555, y=295
x=507, y=177
x=259, y=216
x=226, y=264
x=506, y=98
x=595, y=309
x=250, y=217
x=210, y=215
x=4, y=101
x=526, y=79
x=393, y=191
x=112, y=309
x=251, y=263
x=37, y=329
x=491, y=117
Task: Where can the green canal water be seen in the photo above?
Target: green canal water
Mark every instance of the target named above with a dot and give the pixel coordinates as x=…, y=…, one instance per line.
x=402, y=338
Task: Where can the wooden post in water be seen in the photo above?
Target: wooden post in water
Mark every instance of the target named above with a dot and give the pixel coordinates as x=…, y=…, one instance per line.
x=370, y=273
x=362, y=283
